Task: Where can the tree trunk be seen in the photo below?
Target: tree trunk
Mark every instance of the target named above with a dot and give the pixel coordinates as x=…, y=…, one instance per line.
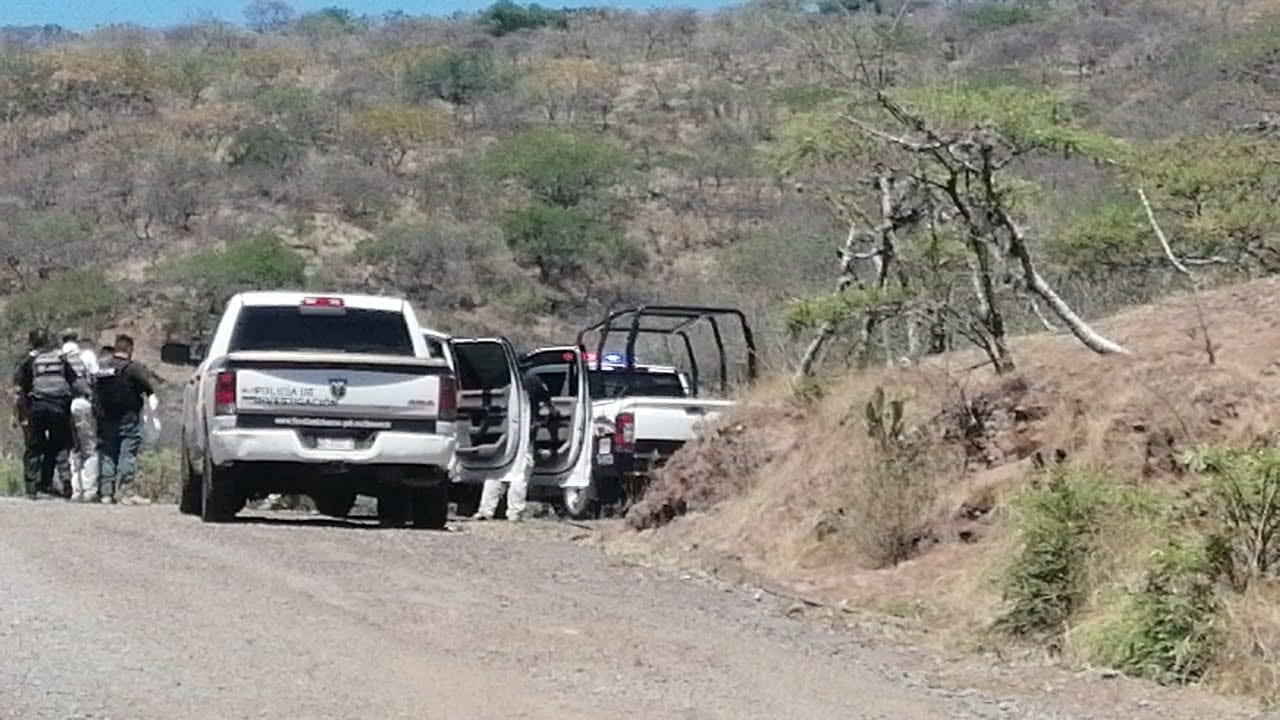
x=1085, y=333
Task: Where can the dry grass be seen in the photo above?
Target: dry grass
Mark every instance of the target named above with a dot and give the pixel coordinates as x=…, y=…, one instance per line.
x=789, y=514
x=1249, y=664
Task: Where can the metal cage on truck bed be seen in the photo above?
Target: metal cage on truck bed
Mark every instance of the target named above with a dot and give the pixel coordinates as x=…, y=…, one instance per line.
x=673, y=320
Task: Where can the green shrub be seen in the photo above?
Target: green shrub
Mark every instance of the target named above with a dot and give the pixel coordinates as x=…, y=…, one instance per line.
x=505, y=17
x=1167, y=631
x=996, y=16
x=559, y=167
x=266, y=146
x=207, y=279
x=457, y=76
x=1244, y=504
x=84, y=299
x=563, y=241
x=1057, y=524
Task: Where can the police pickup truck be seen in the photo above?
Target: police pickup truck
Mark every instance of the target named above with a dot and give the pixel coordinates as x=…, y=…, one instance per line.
x=643, y=413
x=330, y=396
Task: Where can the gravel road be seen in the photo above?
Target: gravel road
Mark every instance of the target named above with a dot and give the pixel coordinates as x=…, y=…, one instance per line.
x=136, y=613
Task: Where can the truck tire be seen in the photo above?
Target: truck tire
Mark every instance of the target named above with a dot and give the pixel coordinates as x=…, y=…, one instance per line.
x=393, y=506
x=219, y=496
x=189, y=497
x=581, y=503
x=430, y=507
x=334, y=503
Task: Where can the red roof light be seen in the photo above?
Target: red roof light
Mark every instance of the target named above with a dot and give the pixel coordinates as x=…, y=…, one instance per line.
x=334, y=302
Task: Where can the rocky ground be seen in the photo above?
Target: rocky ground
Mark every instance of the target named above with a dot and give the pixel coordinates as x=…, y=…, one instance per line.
x=114, y=612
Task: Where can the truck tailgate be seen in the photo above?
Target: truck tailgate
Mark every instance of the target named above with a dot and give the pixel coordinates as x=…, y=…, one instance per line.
x=337, y=385
x=673, y=419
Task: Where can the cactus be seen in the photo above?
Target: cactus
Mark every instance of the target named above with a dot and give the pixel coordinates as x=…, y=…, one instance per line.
x=884, y=419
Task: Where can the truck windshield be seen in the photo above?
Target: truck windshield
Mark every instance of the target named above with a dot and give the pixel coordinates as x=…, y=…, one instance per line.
x=280, y=328
x=613, y=384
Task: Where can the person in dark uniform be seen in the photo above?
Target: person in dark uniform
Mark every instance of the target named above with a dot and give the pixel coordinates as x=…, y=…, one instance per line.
x=46, y=382
x=121, y=386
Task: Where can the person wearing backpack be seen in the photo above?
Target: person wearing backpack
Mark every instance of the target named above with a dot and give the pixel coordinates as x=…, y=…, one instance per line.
x=121, y=386
x=46, y=380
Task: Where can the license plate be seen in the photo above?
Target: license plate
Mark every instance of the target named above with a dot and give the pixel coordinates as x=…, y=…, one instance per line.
x=330, y=443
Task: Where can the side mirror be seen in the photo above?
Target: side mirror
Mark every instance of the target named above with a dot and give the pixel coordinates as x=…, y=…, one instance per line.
x=178, y=354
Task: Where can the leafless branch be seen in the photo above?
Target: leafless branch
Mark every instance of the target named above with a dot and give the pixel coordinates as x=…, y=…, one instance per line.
x=1210, y=350
x=891, y=138
x=1164, y=239
x=1035, y=308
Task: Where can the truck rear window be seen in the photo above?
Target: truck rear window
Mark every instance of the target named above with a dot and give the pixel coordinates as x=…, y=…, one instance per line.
x=616, y=384
x=271, y=328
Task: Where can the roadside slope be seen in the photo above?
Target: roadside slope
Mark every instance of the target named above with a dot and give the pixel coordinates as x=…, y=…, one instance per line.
x=777, y=490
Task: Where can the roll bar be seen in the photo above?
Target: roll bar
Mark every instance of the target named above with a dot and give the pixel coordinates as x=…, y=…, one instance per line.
x=649, y=320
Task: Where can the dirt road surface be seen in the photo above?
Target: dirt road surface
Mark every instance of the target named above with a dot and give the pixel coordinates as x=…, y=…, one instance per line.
x=117, y=613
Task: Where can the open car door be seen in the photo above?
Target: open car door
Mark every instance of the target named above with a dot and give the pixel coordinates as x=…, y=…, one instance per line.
x=561, y=440
x=493, y=413
x=494, y=443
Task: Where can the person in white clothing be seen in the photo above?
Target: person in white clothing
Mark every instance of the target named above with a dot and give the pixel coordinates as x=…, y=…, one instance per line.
x=84, y=447
x=516, y=483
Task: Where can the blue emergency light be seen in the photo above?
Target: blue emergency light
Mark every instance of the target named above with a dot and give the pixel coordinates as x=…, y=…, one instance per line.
x=609, y=358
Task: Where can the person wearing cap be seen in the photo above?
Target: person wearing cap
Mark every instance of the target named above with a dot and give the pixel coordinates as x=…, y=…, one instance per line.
x=81, y=466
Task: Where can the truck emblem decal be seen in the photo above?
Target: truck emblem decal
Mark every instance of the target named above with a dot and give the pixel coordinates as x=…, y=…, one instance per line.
x=338, y=387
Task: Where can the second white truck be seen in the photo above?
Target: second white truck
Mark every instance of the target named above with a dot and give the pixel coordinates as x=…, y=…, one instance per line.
x=642, y=413
x=330, y=396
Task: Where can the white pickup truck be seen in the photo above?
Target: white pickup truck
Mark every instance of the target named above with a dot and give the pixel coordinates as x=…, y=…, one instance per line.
x=329, y=396
x=643, y=413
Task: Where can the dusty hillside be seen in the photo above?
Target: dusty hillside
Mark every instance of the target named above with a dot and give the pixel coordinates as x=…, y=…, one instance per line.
x=777, y=489
x=521, y=169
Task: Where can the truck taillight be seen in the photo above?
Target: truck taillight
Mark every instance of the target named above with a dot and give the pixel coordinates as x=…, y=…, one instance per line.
x=448, y=401
x=224, y=393
x=624, y=433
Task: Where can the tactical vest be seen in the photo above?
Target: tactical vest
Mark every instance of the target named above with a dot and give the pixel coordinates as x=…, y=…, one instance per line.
x=113, y=391
x=49, y=376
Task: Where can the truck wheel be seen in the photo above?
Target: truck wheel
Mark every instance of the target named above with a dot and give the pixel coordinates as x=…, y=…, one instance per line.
x=580, y=503
x=393, y=506
x=189, y=500
x=219, y=498
x=335, y=504
x=430, y=507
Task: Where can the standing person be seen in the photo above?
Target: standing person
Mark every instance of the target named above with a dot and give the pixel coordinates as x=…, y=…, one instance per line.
x=121, y=388
x=46, y=381
x=83, y=460
x=518, y=488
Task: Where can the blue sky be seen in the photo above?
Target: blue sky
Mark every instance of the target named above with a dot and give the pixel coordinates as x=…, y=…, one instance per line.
x=85, y=14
